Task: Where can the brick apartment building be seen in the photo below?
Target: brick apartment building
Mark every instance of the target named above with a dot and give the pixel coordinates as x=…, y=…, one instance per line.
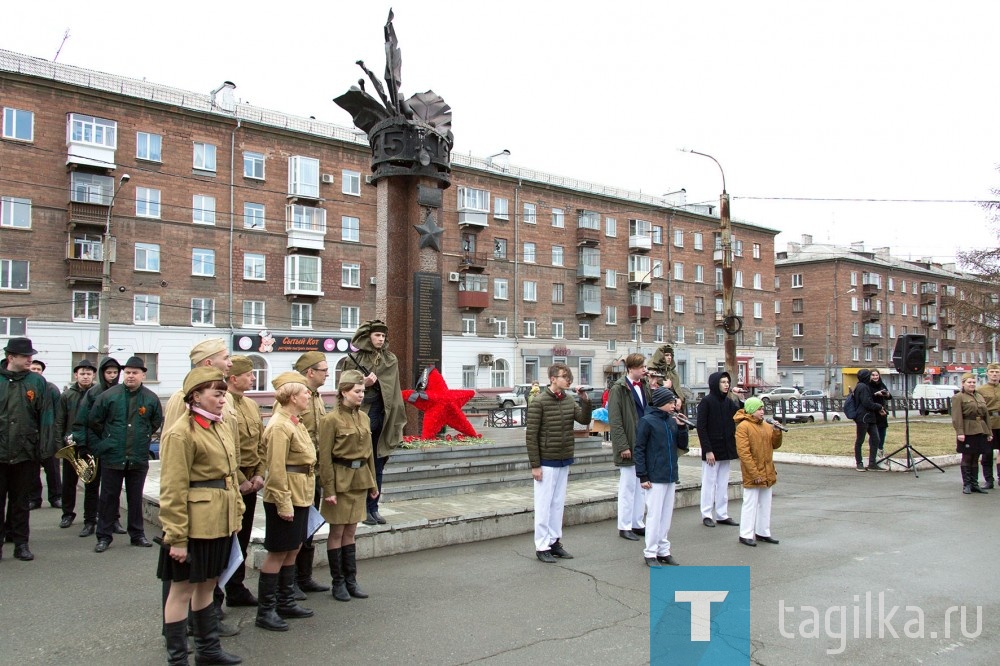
x=260, y=227
x=840, y=309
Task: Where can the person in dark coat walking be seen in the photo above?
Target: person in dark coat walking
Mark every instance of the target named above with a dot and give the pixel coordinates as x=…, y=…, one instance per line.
x=866, y=422
x=717, y=434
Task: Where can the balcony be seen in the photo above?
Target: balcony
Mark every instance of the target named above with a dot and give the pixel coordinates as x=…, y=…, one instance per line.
x=928, y=317
x=87, y=213
x=468, y=217
x=473, y=300
x=91, y=141
x=871, y=315
x=588, y=271
x=717, y=255
x=642, y=312
x=719, y=290
x=947, y=298
x=588, y=307
x=640, y=277
x=871, y=339
x=947, y=317
x=640, y=242
x=474, y=261
x=83, y=270
x=306, y=227
x=928, y=293
x=869, y=289
x=588, y=237
x=949, y=341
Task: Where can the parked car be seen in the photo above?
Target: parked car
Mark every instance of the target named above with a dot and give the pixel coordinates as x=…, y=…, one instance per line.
x=811, y=416
x=780, y=393
x=516, y=398
x=941, y=392
x=814, y=394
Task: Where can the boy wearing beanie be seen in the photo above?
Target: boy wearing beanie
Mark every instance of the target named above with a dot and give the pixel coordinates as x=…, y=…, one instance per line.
x=656, y=444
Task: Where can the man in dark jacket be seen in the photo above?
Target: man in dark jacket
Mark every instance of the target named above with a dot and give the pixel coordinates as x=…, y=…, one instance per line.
x=550, y=442
x=69, y=404
x=717, y=434
x=27, y=435
x=50, y=465
x=866, y=422
x=107, y=376
x=627, y=403
x=656, y=466
x=125, y=416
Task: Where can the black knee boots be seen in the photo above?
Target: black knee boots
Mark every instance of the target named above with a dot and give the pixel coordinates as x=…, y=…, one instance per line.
x=349, y=565
x=304, y=570
x=334, y=557
x=177, y=643
x=267, y=602
x=207, y=648
x=287, y=608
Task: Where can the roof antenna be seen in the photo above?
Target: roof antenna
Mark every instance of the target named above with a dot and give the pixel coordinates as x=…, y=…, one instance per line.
x=61, y=44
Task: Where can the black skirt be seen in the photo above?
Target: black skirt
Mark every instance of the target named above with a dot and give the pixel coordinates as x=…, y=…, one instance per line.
x=207, y=558
x=284, y=535
x=973, y=444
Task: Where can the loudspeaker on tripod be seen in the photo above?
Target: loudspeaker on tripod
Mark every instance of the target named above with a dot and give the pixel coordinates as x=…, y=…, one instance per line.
x=910, y=354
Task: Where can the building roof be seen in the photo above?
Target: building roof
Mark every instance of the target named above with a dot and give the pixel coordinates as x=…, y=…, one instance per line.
x=808, y=252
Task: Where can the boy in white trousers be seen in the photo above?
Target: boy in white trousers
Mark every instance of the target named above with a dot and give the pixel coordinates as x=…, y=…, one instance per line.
x=755, y=443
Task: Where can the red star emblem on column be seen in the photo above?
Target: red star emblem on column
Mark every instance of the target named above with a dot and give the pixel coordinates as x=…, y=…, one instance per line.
x=441, y=406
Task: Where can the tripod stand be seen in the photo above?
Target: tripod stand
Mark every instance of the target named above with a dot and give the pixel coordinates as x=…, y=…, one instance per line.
x=911, y=460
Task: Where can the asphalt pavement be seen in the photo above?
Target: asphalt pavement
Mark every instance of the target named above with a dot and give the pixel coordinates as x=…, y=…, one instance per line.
x=845, y=537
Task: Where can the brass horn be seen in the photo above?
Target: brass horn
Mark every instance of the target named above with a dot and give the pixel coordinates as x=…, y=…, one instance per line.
x=85, y=467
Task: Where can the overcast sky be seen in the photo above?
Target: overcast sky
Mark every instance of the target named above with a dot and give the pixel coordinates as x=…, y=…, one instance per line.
x=797, y=100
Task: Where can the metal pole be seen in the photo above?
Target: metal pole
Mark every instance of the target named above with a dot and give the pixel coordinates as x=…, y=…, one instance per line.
x=104, y=315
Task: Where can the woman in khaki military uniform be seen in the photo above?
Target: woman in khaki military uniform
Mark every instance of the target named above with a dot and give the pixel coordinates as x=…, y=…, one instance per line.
x=970, y=417
x=200, y=510
x=288, y=495
x=347, y=475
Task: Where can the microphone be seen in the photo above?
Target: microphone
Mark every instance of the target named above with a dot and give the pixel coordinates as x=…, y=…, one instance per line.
x=776, y=425
x=683, y=420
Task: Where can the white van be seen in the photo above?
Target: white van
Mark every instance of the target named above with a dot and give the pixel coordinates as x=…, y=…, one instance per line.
x=943, y=392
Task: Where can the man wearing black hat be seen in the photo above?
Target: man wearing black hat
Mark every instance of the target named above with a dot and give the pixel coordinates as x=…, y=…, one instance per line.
x=27, y=435
x=50, y=465
x=69, y=404
x=125, y=416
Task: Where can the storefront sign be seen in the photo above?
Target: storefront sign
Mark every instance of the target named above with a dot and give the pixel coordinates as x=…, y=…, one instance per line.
x=267, y=342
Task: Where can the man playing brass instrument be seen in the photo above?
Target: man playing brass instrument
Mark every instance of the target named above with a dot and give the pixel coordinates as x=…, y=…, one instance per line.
x=69, y=403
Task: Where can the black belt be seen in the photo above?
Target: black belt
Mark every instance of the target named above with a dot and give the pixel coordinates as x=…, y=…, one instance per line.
x=353, y=464
x=299, y=469
x=213, y=483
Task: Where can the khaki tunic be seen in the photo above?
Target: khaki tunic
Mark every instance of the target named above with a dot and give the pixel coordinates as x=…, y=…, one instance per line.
x=287, y=442
x=991, y=393
x=344, y=433
x=968, y=414
x=191, y=452
x=175, y=411
x=250, y=429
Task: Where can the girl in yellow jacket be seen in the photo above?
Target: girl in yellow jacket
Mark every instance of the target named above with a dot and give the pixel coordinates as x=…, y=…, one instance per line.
x=755, y=444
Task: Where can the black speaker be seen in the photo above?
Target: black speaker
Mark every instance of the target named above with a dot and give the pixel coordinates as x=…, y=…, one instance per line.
x=910, y=354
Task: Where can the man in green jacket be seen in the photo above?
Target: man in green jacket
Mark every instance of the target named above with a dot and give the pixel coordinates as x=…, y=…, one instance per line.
x=27, y=435
x=627, y=402
x=69, y=404
x=125, y=417
x=550, y=442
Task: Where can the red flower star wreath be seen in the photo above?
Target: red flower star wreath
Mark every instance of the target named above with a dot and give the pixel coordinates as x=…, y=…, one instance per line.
x=441, y=406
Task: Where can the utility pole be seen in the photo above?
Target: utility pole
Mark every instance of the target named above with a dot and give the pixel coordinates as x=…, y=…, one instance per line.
x=103, y=345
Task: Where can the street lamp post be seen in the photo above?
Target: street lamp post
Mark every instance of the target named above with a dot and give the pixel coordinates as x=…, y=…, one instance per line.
x=730, y=323
x=103, y=345
x=638, y=312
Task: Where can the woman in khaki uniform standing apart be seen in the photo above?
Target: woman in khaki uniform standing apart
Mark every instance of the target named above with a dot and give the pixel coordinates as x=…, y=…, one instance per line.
x=200, y=510
x=288, y=494
x=347, y=475
x=970, y=417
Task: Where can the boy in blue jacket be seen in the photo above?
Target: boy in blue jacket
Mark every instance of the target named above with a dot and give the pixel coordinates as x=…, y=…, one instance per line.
x=656, y=443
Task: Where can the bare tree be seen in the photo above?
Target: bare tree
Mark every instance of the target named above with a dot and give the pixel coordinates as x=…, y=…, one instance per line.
x=978, y=309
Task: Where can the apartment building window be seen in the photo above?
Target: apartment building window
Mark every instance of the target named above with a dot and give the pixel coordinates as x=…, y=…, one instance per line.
x=557, y=293
x=86, y=305
x=529, y=213
x=203, y=262
x=892, y=284
x=797, y=304
x=529, y=253
x=737, y=248
x=501, y=325
x=253, y=165
x=351, y=182
x=738, y=279
x=18, y=124
x=720, y=338
x=253, y=314
x=530, y=291
x=756, y=250
x=699, y=273
x=892, y=331
x=203, y=312
x=611, y=315
x=303, y=274
x=350, y=275
x=203, y=209
x=610, y=227
x=868, y=354
x=204, y=156
x=558, y=218
x=798, y=354
x=611, y=279
x=498, y=373
x=679, y=334
x=758, y=338
x=91, y=188
x=678, y=271
x=584, y=329
x=855, y=354
x=659, y=330
x=854, y=304
x=147, y=202
x=501, y=208
x=678, y=238
x=854, y=278
x=634, y=331
x=145, y=309
x=302, y=315
x=529, y=328
x=758, y=310
x=699, y=305
x=612, y=345
x=87, y=246
x=253, y=266
x=253, y=215
x=13, y=275
x=303, y=176
x=557, y=255
x=95, y=131
x=499, y=248
x=657, y=302
x=657, y=235
x=699, y=241
x=558, y=330
x=306, y=218
x=350, y=229
x=468, y=324
x=13, y=326
x=678, y=304
x=152, y=363
x=796, y=280
x=148, y=147
x=15, y=213
x=699, y=336
x=892, y=307
x=757, y=281
x=147, y=257
x=777, y=307
x=468, y=376
x=855, y=329
x=738, y=308
x=500, y=291
x=350, y=317
x=798, y=330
